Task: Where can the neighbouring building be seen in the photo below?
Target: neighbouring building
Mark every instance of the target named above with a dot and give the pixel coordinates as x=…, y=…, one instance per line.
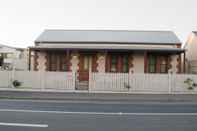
x=12, y=57
x=115, y=51
x=191, y=54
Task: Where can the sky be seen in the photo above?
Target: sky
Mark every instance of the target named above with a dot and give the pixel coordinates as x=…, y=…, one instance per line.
x=22, y=21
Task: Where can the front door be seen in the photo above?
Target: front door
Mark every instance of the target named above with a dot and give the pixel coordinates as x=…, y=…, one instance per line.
x=84, y=67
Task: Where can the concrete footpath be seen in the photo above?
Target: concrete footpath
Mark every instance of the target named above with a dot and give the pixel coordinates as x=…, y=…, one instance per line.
x=81, y=96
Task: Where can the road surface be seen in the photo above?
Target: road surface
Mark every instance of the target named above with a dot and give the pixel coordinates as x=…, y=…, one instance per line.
x=19, y=115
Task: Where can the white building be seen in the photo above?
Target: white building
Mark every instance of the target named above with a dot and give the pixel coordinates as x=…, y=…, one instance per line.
x=12, y=57
x=191, y=53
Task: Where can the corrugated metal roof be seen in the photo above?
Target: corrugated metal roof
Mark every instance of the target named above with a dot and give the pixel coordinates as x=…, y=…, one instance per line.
x=108, y=36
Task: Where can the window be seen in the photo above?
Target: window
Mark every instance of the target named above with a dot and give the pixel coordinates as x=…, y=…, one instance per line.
x=163, y=65
x=152, y=64
x=125, y=62
x=119, y=63
x=57, y=62
x=113, y=63
x=157, y=63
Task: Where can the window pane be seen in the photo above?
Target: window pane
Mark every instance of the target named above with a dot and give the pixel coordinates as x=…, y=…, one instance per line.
x=113, y=63
x=163, y=65
x=125, y=64
x=152, y=64
x=113, y=68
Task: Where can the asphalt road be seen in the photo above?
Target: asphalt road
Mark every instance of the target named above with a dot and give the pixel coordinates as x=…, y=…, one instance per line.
x=97, y=116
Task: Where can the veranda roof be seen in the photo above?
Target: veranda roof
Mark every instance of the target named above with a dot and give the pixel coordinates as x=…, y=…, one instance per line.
x=88, y=47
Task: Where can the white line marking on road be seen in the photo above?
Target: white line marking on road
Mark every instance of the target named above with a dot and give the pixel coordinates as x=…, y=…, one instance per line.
x=23, y=125
x=100, y=113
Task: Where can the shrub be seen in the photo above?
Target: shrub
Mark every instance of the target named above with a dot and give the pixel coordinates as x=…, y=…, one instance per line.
x=190, y=84
x=16, y=83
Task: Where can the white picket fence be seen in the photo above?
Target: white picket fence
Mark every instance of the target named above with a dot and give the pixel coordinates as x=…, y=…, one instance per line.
x=38, y=80
x=141, y=83
x=100, y=82
x=5, y=79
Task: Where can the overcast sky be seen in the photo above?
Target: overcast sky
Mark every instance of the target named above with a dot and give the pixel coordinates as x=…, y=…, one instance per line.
x=21, y=21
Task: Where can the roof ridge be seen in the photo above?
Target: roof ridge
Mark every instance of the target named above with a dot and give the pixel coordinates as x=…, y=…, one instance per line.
x=109, y=30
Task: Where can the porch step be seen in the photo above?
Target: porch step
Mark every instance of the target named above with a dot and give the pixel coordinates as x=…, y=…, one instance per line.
x=82, y=85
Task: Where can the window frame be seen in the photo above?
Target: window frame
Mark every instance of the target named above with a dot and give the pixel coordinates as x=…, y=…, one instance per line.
x=57, y=61
x=165, y=65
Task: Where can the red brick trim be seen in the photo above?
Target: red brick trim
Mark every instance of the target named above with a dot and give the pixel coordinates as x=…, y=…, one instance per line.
x=178, y=66
x=107, y=63
x=131, y=65
x=35, y=60
x=80, y=63
x=169, y=62
x=119, y=63
x=158, y=62
x=68, y=60
x=145, y=62
x=47, y=61
x=94, y=63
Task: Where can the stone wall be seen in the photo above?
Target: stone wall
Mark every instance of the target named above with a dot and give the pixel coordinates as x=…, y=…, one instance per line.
x=174, y=63
x=101, y=62
x=74, y=62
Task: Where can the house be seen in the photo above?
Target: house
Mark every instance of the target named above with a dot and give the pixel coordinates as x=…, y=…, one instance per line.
x=191, y=55
x=115, y=51
x=12, y=57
